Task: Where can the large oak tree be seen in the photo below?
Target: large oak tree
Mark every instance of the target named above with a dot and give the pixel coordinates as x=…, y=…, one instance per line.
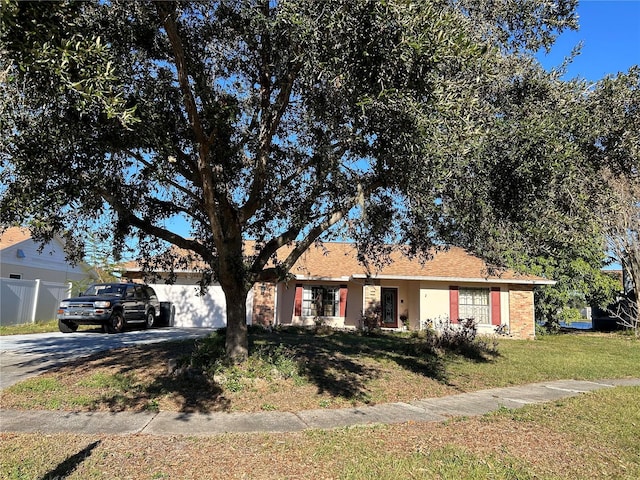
x=614, y=107
x=281, y=121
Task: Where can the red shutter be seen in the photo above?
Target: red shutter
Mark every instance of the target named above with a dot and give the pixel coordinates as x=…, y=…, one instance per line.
x=453, y=304
x=343, y=300
x=297, y=309
x=495, y=306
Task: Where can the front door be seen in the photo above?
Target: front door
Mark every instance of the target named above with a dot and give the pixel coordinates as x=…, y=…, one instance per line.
x=390, y=307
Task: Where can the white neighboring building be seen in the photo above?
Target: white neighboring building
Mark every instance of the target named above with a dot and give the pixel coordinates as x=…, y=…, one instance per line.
x=20, y=259
x=33, y=283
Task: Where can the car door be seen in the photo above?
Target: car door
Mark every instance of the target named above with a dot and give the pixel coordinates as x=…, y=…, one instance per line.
x=152, y=300
x=131, y=304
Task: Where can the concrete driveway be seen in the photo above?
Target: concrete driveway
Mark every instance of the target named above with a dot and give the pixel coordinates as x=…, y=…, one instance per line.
x=24, y=356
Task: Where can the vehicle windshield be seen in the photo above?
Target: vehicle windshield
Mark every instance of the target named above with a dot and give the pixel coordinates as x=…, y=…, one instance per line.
x=106, y=289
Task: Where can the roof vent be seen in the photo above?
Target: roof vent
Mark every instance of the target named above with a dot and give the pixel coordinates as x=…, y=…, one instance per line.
x=20, y=253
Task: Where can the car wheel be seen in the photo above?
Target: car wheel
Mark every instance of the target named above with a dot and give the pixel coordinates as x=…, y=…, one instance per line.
x=150, y=319
x=116, y=323
x=67, y=327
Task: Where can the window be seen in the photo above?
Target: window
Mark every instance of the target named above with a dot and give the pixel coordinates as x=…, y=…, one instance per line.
x=15, y=276
x=321, y=301
x=151, y=293
x=474, y=303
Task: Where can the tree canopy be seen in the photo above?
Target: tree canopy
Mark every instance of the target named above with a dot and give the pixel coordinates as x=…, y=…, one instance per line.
x=288, y=122
x=615, y=108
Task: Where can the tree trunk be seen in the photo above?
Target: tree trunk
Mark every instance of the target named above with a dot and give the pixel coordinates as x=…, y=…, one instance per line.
x=237, y=341
x=630, y=281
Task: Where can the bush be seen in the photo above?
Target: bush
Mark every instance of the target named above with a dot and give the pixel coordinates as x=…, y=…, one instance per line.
x=209, y=350
x=270, y=363
x=454, y=337
x=541, y=330
x=440, y=337
x=371, y=320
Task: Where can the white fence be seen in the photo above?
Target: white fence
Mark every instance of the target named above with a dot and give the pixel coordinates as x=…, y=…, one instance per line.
x=27, y=301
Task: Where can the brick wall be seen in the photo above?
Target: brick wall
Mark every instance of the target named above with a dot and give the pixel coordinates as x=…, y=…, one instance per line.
x=263, y=303
x=521, y=313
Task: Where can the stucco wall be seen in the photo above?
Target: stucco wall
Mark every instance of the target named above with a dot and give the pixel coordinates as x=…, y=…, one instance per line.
x=48, y=266
x=516, y=307
x=285, y=301
x=434, y=301
x=354, y=305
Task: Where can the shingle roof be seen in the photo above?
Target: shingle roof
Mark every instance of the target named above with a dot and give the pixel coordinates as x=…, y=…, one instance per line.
x=12, y=236
x=338, y=261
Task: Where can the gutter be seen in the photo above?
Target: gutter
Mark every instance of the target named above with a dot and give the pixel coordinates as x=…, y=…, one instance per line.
x=364, y=276
x=540, y=281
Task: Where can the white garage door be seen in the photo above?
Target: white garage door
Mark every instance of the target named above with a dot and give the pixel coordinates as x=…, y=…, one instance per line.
x=195, y=310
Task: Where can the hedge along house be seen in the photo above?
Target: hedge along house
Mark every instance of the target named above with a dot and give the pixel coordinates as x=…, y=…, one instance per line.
x=328, y=285
x=331, y=287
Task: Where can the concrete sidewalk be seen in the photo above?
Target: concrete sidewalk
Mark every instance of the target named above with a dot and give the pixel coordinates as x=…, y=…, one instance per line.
x=175, y=423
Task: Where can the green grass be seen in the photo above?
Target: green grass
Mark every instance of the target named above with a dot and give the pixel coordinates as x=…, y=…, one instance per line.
x=292, y=371
x=24, y=328
x=598, y=437
x=570, y=356
x=609, y=417
x=37, y=327
x=116, y=381
x=590, y=436
x=45, y=385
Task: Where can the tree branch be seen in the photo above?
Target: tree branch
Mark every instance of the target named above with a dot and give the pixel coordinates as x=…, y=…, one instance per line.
x=270, y=118
x=215, y=204
x=154, y=230
x=140, y=158
x=167, y=11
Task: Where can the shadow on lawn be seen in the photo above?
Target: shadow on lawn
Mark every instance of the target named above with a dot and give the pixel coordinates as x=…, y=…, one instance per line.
x=340, y=364
x=138, y=377
x=66, y=467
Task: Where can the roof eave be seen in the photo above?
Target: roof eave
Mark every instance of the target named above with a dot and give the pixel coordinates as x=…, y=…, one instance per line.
x=363, y=276
x=323, y=278
x=519, y=281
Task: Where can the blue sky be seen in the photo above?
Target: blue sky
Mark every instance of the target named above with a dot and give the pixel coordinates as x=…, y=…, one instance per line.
x=610, y=32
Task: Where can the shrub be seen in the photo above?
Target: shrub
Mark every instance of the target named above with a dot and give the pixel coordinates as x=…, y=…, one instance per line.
x=541, y=330
x=441, y=336
x=371, y=320
x=269, y=362
x=208, y=350
x=455, y=337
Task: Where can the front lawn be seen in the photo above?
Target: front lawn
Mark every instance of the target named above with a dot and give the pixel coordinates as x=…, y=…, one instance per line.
x=296, y=370
x=36, y=327
x=591, y=436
